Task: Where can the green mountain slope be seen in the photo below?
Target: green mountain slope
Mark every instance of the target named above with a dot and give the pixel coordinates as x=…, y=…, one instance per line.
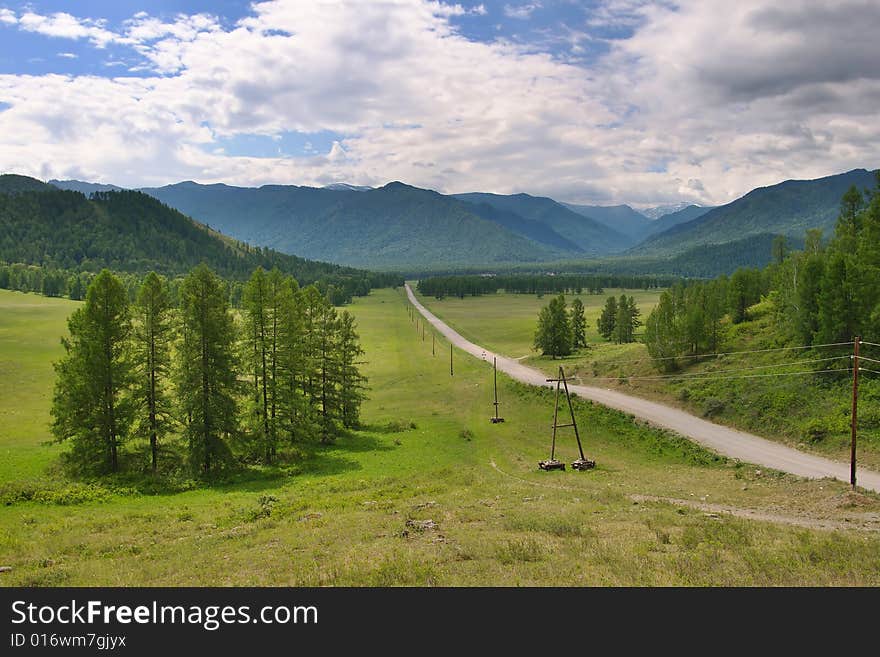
x=789, y=208
x=11, y=183
x=395, y=226
x=667, y=221
x=130, y=231
x=591, y=236
x=620, y=218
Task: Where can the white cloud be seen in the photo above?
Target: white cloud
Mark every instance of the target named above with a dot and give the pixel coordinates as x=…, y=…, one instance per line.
x=66, y=26
x=8, y=16
x=521, y=12
x=68, y=55
x=697, y=105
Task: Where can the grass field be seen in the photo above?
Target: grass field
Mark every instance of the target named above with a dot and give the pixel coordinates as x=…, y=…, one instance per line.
x=810, y=413
x=429, y=493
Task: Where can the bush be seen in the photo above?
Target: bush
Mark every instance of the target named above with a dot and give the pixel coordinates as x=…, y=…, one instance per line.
x=816, y=431
x=712, y=406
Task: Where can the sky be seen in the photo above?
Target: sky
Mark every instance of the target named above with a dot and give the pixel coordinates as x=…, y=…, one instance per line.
x=645, y=102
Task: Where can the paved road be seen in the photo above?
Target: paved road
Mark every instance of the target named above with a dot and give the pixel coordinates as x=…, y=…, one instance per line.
x=723, y=440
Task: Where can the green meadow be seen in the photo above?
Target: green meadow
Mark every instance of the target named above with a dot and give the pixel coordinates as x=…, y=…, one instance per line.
x=427, y=493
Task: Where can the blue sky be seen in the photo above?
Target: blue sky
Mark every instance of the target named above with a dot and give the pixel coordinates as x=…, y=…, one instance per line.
x=607, y=101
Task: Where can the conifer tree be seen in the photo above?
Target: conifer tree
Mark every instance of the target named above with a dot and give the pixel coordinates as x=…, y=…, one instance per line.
x=578, y=324
x=608, y=318
x=207, y=369
x=91, y=406
x=553, y=336
x=152, y=360
x=352, y=382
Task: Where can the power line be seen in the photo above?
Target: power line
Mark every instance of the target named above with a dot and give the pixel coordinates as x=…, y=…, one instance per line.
x=743, y=369
x=865, y=369
x=710, y=377
x=868, y=359
x=730, y=353
x=873, y=344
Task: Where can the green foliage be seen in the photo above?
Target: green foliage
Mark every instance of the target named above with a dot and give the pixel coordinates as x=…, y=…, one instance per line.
x=90, y=407
x=607, y=320
x=553, y=336
x=151, y=353
x=578, y=324
x=206, y=370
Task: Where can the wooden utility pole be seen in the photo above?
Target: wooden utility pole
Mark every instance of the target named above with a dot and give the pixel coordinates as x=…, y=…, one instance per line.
x=423, y=332
x=433, y=352
x=450, y=359
x=855, y=411
x=496, y=419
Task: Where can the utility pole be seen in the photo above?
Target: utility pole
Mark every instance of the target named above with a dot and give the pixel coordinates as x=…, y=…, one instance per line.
x=855, y=411
x=450, y=359
x=433, y=353
x=496, y=419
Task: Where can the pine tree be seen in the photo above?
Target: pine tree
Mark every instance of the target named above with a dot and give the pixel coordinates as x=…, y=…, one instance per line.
x=578, y=324
x=352, y=383
x=207, y=369
x=328, y=371
x=608, y=318
x=152, y=360
x=553, y=336
x=663, y=333
x=91, y=406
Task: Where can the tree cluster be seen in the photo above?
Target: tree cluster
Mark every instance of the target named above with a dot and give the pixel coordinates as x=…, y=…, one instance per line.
x=619, y=319
x=191, y=378
x=561, y=331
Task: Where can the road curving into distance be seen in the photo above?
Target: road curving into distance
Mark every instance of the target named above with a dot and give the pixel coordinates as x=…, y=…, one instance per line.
x=723, y=440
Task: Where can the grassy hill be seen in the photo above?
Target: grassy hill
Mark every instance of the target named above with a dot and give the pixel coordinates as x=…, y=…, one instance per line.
x=428, y=493
x=789, y=208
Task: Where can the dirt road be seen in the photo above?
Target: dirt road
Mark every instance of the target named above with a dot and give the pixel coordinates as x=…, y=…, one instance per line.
x=723, y=440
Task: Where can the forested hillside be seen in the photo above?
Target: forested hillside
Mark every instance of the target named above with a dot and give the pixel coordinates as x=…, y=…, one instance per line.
x=128, y=231
x=789, y=208
x=395, y=226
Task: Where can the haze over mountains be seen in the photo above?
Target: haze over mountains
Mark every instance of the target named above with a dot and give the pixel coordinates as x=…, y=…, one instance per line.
x=401, y=227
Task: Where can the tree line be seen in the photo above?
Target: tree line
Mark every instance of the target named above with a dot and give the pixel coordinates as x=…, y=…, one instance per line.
x=462, y=286
x=199, y=383
x=72, y=284
x=820, y=295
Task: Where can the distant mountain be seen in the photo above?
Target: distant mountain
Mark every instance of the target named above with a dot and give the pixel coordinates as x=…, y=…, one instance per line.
x=667, y=221
x=620, y=218
x=345, y=187
x=590, y=235
x=660, y=210
x=395, y=226
x=789, y=208
x=11, y=183
x=86, y=188
x=132, y=232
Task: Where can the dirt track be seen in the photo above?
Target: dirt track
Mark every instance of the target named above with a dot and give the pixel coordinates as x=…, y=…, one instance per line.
x=723, y=440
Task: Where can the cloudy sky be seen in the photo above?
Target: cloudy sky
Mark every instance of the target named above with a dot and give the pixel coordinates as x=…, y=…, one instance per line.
x=603, y=101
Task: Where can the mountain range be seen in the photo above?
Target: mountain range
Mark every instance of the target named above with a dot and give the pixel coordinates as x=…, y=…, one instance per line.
x=406, y=228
